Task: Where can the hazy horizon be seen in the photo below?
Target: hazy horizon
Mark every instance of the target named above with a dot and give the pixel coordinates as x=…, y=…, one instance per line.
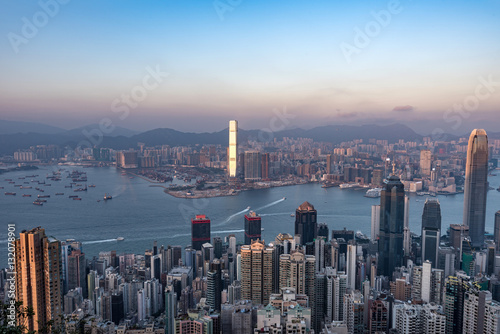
x=369, y=62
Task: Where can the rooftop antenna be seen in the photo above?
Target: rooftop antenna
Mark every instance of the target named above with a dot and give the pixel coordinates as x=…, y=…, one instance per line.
x=393, y=168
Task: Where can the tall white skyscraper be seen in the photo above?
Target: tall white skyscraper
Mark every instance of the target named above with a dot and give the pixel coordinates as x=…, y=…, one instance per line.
x=232, y=159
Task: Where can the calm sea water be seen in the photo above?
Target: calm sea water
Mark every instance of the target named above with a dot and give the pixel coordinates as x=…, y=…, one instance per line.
x=141, y=213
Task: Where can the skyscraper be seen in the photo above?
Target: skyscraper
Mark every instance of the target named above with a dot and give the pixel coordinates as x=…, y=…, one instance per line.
x=375, y=225
x=431, y=231
x=39, y=277
x=306, y=222
x=253, y=168
x=214, y=285
x=294, y=268
x=265, y=166
x=256, y=272
x=390, y=244
x=476, y=186
x=232, y=158
x=77, y=271
x=252, y=227
x=425, y=162
x=200, y=231
x=497, y=231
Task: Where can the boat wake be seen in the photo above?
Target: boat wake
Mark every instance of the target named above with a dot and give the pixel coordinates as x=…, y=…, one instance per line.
x=97, y=241
x=275, y=214
x=228, y=219
x=227, y=231
x=269, y=205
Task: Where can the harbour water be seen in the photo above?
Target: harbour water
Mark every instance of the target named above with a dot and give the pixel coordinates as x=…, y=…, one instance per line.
x=141, y=213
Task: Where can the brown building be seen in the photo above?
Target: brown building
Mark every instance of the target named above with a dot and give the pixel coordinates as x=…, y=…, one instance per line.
x=256, y=272
x=265, y=165
x=457, y=232
x=39, y=277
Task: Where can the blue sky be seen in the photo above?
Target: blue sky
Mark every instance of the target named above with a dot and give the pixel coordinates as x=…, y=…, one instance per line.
x=261, y=56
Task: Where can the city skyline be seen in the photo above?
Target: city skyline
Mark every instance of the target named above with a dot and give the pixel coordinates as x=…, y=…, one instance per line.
x=250, y=167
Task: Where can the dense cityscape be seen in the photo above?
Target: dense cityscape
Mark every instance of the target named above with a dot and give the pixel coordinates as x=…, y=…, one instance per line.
x=310, y=278
x=250, y=167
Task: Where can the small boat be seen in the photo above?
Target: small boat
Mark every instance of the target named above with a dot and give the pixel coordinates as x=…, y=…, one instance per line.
x=77, y=199
x=26, y=195
x=120, y=239
x=498, y=189
x=98, y=200
x=11, y=194
x=37, y=203
x=106, y=197
x=248, y=208
x=92, y=186
x=58, y=194
x=292, y=215
x=284, y=198
x=1, y=187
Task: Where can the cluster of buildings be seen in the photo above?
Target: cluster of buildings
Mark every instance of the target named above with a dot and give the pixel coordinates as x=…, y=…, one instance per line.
x=315, y=280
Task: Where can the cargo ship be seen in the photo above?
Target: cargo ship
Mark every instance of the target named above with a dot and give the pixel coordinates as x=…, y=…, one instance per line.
x=11, y=194
x=37, y=203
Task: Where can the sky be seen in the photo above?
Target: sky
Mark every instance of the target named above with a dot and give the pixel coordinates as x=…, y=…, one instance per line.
x=193, y=65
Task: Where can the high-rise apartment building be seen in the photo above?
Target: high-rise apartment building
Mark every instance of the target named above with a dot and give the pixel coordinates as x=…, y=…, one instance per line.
x=354, y=312
x=476, y=186
x=256, y=272
x=39, y=277
x=232, y=159
x=481, y=313
x=297, y=271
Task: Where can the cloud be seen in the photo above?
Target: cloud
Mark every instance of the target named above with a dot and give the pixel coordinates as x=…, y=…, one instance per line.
x=406, y=108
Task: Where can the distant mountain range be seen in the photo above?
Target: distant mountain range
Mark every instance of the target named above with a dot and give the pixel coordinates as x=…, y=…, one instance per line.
x=22, y=135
